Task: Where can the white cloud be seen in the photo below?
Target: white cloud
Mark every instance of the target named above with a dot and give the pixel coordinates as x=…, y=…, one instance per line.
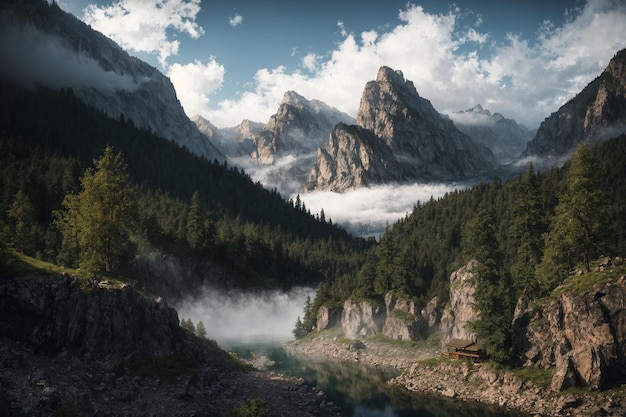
x=195, y=82
x=142, y=25
x=522, y=78
x=310, y=61
x=366, y=211
x=235, y=20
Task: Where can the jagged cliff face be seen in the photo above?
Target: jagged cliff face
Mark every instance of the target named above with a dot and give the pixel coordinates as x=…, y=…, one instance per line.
x=54, y=314
x=236, y=142
x=597, y=113
x=583, y=336
x=100, y=73
x=409, y=140
x=456, y=318
x=504, y=137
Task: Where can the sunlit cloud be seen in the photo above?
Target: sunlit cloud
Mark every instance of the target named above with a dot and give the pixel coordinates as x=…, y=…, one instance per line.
x=195, y=82
x=454, y=65
x=235, y=20
x=367, y=211
x=143, y=25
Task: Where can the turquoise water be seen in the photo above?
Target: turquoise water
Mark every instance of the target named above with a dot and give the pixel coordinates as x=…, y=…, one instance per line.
x=361, y=391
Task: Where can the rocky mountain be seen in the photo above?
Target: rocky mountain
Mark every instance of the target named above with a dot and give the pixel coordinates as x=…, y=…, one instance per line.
x=236, y=141
x=597, y=113
x=280, y=153
x=400, y=137
x=504, y=137
x=43, y=45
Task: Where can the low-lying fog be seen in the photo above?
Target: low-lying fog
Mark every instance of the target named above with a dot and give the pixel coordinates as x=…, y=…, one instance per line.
x=366, y=211
x=236, y=317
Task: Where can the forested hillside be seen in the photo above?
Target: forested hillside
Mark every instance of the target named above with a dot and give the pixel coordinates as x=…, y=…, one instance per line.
x=527, y=234
x=187, y=205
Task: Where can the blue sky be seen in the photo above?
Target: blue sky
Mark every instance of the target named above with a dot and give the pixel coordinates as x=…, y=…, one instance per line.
x=231, y=60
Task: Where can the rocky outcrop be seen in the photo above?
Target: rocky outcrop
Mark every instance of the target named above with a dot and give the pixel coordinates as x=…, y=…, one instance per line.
x=98, y=70
x=581, y=335
x=55, y=314
x=398, y=137
x=236, y=141
x=455, y=319
x=597, y=113
x=328, y=317
x=403, y=320
x=504, y=137
x=361, y=319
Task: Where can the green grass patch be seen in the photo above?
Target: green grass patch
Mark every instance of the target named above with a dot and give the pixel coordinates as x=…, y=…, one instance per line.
x=585, y=282
x=405, y=316
x=254, y=407
x=166, y=369
x=537, y=376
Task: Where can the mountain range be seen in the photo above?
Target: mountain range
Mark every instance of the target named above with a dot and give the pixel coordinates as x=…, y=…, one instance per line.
x=396, y=137
x=43, y=45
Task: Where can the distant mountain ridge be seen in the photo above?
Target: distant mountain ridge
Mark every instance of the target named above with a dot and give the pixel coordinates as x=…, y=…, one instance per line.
x=398, y=137
x=42, y=44
x=505, y=137
x=595, y=114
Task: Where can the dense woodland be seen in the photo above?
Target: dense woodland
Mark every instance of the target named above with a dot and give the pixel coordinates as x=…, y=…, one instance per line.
x=49, y=142
x=58, y=157
x=527, y=234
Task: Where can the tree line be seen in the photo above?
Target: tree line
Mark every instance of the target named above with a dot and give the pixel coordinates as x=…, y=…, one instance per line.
x=60, y=158
x=527, y=233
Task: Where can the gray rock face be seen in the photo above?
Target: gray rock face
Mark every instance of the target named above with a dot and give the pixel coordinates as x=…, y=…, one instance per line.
x=403, y=321
x=361, y=319
x=236, y=142
x=105, y=76
x=328, y=317
x=582, y=335
x=597, y=113
x=504, y=137
x=53, y=314
x=413, y=140
x=461, y=311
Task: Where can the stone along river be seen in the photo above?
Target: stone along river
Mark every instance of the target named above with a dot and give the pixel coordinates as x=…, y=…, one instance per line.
x=361, y=391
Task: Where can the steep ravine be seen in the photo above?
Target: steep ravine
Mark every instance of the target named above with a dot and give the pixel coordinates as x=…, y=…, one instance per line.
x=106, y=350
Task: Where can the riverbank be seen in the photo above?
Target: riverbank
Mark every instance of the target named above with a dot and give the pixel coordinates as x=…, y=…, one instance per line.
x=423, y=369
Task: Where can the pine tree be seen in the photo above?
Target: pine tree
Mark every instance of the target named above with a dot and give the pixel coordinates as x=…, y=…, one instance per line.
x=195, y=223
x=200, y=330
x=526, y=231
x=299, y=331
x=22, y=214
x=577, y=222
x=492, y=289
x=99, y=221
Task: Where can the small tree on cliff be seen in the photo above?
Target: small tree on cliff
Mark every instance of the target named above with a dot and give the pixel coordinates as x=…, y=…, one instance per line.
x=97, y=223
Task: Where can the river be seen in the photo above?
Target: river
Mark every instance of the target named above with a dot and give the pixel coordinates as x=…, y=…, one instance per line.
x=361, y=391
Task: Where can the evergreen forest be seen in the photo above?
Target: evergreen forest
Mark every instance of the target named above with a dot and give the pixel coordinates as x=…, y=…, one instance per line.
x=58, y=156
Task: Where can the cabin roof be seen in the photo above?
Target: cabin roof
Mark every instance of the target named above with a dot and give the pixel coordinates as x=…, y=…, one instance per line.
x=461, y=344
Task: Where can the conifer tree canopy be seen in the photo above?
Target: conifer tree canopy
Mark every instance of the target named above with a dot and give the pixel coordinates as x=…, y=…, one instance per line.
x=97, y=223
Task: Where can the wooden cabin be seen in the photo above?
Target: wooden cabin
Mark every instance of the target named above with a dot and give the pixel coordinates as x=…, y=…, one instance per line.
x=463, y=349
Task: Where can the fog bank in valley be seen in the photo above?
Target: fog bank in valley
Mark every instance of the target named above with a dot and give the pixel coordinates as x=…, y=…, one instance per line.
x=366, y=211
x=235, y=317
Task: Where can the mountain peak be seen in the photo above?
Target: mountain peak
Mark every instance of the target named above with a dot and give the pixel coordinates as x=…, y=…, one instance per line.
x=294, y=99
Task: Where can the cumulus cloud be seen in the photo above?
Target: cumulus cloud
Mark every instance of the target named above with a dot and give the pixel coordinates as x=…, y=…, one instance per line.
x=454, y=65
x=367, y=211
x=143, y=25
x=235, y=20
x=195, y=82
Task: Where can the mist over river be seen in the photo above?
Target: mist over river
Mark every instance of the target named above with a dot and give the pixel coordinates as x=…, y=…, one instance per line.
x=358, y=390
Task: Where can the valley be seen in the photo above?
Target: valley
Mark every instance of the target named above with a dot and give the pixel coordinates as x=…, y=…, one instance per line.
x=338, y=257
